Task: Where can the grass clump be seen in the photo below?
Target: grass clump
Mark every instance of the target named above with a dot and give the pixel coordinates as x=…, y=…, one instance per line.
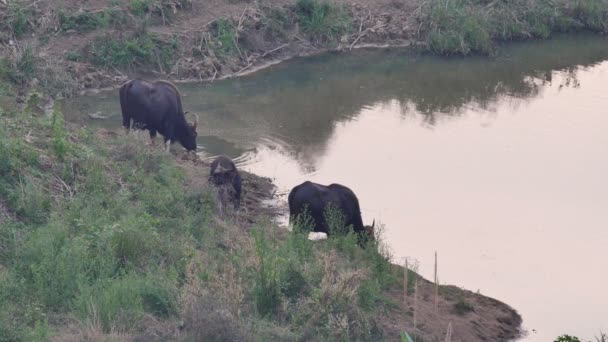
x=15, y=19
x=225, y=36
x=142, y=49
x=88, y=21
x=461, y=307
x=19, y=67
x=322, y=21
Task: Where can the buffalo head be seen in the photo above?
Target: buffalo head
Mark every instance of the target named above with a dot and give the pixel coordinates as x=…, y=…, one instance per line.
x=189, y=137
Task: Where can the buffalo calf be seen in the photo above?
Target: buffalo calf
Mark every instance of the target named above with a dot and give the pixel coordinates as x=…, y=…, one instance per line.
x=225, y=177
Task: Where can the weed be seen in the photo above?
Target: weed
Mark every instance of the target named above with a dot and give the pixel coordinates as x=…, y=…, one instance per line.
x=266, y=290
x=139, y=7
x=140, y=50
x=59, y=138
x=88, y=21
x=225, y=35
x=467, y=26
x=19, y=67
x=323, y=21
x=16, y=18
x=462, y=307
x=567, y=338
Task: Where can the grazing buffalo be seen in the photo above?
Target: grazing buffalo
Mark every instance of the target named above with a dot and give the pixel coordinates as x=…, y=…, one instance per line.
x=224, y=175
x=157, y=107
x=314, y=199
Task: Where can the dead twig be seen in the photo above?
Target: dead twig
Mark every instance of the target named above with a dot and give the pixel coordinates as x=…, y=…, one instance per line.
x=274, y=50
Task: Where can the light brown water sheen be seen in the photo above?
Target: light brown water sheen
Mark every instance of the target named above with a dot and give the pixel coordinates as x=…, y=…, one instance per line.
x=500, y=164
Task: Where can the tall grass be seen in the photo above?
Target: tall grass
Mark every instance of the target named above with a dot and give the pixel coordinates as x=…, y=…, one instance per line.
x=322, y=20
x=468, y=26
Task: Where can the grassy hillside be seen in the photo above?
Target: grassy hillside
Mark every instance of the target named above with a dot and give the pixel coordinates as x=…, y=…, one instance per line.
x=103, y=238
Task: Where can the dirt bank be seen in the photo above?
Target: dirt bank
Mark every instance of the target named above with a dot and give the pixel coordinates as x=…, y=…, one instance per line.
x=74, y=45
x=66, y=46
x=469, y=316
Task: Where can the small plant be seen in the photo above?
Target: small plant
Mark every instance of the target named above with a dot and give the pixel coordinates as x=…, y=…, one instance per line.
x=462, y=307
x=60, y=141
x=226, y=36
x=266, y=290
x=567, y=338
x=324, y=21
x=139, y=7
x=143, y=49
x=405, y=337
x=87, y=21
x=18, y=20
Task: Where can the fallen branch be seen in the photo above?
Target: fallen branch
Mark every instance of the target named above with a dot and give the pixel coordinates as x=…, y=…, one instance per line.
x=274, y=50
x=364, y=33
x=240, y=71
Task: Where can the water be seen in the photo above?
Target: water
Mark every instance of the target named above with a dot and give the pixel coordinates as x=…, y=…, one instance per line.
x=498, y=164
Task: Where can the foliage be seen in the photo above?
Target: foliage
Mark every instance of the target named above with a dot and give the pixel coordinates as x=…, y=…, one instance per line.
x=323, y=21
x=19, y=67
x=88, y=21
x=142, y=49
x=462, y=307
x=567, y=338
x=469, y=26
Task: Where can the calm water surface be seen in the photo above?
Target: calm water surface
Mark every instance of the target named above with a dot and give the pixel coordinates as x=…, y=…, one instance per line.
x=500, y=165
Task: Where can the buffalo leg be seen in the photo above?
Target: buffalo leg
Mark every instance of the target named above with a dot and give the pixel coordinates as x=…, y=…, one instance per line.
x=153, y=136
x=168, y=145
x=126, y=122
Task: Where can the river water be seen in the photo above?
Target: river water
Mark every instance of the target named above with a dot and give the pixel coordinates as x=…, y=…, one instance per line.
x=498, y=164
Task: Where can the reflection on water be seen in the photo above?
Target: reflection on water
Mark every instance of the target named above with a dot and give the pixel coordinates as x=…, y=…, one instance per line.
x=498, y=164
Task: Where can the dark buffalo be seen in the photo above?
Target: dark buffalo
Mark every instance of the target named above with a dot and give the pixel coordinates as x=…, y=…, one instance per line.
x=157, y=107
x=314, y=199
x=224, y=175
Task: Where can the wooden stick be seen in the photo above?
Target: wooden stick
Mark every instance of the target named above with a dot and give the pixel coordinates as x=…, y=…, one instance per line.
x=415, y=302
x=436, y=285
x=405, y=274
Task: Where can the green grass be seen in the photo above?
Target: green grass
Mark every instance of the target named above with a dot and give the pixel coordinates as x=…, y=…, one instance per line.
x=109, y=232
x=143, y=50
x=88, y=21
x=322, y=20
x=463, y=27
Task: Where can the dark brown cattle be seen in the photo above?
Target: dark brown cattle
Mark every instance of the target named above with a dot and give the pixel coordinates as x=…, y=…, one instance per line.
x=224, y=175
x=157, y=107
x=315, y=199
